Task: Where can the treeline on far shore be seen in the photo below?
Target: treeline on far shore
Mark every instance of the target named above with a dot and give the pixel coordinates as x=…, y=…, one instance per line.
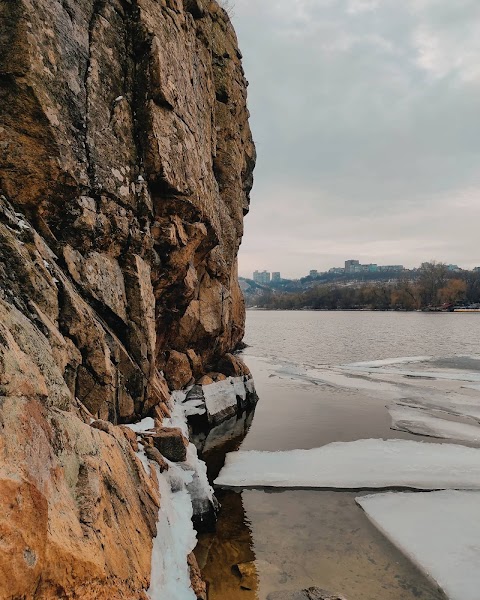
x=434, y=287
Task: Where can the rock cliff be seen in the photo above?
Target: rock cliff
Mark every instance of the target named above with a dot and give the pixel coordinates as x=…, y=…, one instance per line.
x=126, y=164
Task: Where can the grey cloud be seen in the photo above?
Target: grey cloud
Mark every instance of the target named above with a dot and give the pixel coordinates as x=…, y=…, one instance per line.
x=365, y=114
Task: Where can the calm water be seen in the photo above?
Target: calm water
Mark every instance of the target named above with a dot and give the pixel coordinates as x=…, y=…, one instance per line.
x=289, y=539
x=325, y=338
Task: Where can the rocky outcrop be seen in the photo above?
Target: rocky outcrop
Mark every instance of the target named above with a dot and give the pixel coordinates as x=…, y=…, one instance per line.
x=125, y=170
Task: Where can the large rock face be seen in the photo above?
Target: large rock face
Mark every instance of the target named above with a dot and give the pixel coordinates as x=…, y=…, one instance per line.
x=125, y=169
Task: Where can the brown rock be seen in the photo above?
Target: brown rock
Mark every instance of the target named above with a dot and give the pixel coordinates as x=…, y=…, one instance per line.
x=247, y=572
x=177, y=370
x=230, y=365
x=130, y=435
x=154, y=454
x=171, y=442
x=198, y=585
x=105, y=426
x=126, y=164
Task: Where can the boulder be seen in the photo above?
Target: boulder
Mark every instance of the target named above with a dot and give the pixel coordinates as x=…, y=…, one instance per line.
x=170, y=442
x=177, y=370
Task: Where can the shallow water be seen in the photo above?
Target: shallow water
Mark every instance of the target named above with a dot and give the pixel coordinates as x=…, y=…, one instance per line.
x=289, y=539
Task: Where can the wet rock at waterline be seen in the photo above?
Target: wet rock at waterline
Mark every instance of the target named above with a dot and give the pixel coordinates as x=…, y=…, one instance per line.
x=170, y=442
x=222, y=399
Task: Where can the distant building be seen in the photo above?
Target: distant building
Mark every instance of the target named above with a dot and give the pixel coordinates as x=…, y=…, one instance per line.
x=351, y=266
x=337, y=270
x=454, y=268
x=313, y=273
x=476, y=269
x=276, y=276
x=391, y=268
x=262, y=277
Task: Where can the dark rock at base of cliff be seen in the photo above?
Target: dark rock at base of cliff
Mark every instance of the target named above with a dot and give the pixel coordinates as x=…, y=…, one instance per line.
x=171, y=443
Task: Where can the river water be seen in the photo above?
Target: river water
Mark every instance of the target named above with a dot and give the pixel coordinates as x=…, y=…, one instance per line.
x=279, y=540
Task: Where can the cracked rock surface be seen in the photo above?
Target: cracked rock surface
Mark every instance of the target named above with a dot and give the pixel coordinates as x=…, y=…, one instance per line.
x=126, y=165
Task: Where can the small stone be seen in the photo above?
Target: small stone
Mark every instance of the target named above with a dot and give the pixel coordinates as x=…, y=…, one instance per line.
x=177, y=370
x=154, y=454
x=198, y=585
x=102, y=425
x=130, y=436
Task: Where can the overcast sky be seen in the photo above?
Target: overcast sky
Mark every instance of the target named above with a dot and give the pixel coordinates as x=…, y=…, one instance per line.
x=366, y=116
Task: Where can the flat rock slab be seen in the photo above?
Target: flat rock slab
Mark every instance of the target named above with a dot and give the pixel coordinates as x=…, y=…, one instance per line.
x=312, y=593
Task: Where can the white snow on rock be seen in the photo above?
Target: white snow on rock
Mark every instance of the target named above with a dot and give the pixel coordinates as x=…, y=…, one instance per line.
x=220, y=399
x=422, y=422
x=175, y=538
x=373, y=463
x=438, y=531
x=143, y=425
x=183, y=489
x=201, y=492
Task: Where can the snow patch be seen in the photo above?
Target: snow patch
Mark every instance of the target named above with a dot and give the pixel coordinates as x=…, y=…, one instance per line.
x=175, y=538
x=220, y=399
x=361, y=464
x=143, y=425
x=438, y=531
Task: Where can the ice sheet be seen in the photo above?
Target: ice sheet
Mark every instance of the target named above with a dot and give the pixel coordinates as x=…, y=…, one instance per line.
x=452, y=403
x=390, y=361
x=438, y=531
x=448, y=374
x=361, y=464
x=421, y=422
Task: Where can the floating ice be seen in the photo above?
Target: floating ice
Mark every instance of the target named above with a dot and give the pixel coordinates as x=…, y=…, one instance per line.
x=448, y=374
x=391, y=361
x=438, y=531
x=452, y=403
x=473, y=386
x=357, y=465
x=421, y=422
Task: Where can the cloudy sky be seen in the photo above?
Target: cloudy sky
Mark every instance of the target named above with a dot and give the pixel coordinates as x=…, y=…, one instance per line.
x=366, y=116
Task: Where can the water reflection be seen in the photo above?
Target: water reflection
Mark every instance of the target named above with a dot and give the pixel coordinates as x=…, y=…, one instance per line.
x=226, y=556
x=269, y=541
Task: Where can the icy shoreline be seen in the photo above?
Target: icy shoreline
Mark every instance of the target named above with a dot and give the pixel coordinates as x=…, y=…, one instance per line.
x=185, y=493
